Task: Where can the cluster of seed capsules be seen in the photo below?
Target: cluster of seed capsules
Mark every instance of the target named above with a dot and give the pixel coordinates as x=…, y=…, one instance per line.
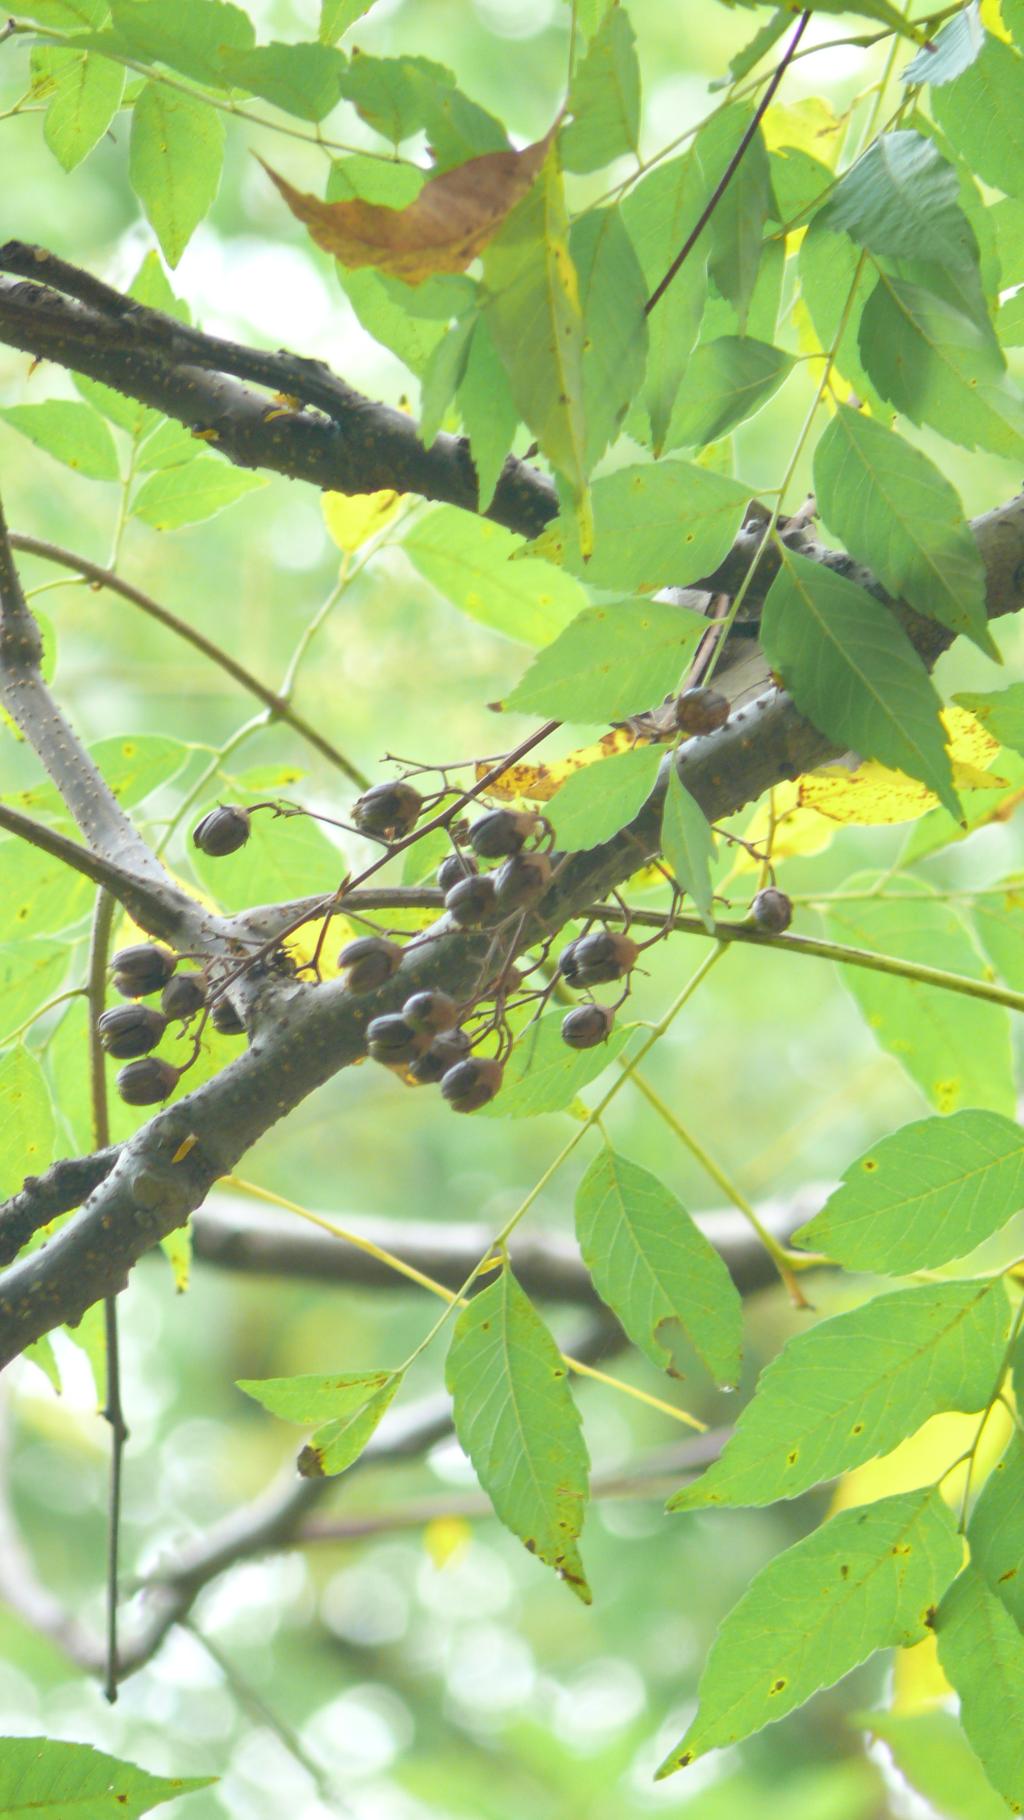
x=130, y=1032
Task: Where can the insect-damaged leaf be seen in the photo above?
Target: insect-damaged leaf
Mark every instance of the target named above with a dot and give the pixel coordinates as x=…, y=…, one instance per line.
x=866, y=1580
x=516, y=1419
x=452, y=219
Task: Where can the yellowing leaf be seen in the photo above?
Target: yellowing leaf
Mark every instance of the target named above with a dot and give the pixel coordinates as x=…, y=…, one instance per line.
x=538, y=783
x=781, y=827
x=445, y=1539
x=810, y=125
x=991, y=16
x=923, y=1457
x=353, y=518
x=452, y=219
x=872, y=794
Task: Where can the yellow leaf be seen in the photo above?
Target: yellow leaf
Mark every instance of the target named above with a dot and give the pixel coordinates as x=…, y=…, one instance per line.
x=538, y=783
x=923, y=1456
x=992, y=20
x=443, y=229
x=917, y=1678
x=809, y=126
x=796, y=831
x=871, y=794
x=353, y=518
x=177, y=1247
x=445, y=1538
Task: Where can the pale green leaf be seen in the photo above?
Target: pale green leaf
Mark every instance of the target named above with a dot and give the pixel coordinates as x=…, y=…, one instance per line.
x=951, y=51
x=339, y=1443
x=40, y=895
x=301, y=79
x=930, y=1750
x=867, y=1580
x=661, y=525
x=176, y=153
x=982, y=1655
x=31, y=973
x=337, y=15
x=727, y=380
x=1000, y=711
x=313, y=1397
x=655, y=1269
x=758, y=46
x=26, y=1119
x=190, y=36
x=956, y=1048
x=688, y=845
x=516, y=1419
x=895, y=511
x=659, y=213
x=982, y=111
x=265, y=870
x=50, y=1779
x=543, y=1074
x=183, y=495
x=996, y=1529
x=851, y=668
x=834, y=286
x=132, y=765
x=930, y=1192
x=612, y=299
x=74, y=433
x=169, y=445
x=611, y=661
x=442, y=376
x=604, y=98
x=489, y=414
x=901, y=198
x=595, y=802
x=734, y=232
x=83, y=92
x=469, y=561
x=856, y=1384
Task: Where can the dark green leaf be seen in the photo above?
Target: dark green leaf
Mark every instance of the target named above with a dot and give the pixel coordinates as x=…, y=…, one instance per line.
x=604, y=98
x=661, y=525
x=611, y=661
x=177, y=149
x=982, y=1656
x=612, y=298
x=688, y=845
x=866, y=1580
x=983, y=113
x=726, y=382
x=655, y=1269
x=895, y=511
x=855, y=1385
x=516, y=1419
x=71, y=432
x=902, y=198
x=53, y=1780
x=930, y=1192
x=853, y=671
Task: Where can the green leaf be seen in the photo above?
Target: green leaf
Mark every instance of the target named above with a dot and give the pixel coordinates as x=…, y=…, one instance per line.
x=543, y=1074
x=31, y=972
x=594, y=803
x=65, y=15
x=902, y=198
x=265, y=870
x=611, y=661
x=868, y=1579
x=604, y=98
x=612, y=299
x=1000, y=711
x=759, y=46
x=951, y=52
x=930, y=1750
x=190, y=36
x=930, y=1192
x=301, y=79
x=469, y=561
x=982, y=1655
x=956, y=1048
x=661, y=525
x=339, y=1443
x=727, y=380
x=40, y=895
x=380, y=308
x=74, y=433
x=659, y=213
x=532, y=309
x=998, y=922
x=855, y=1385
x=132, y=765
x=851, y=668
x=833, y=287
x=181, y=496
x=489, y=414
x=983, y=113
x=337, y=15
x=939, y=367
x=655, y=1269
x=996, y=1528
x=311, y=1397
x=516, y=1419
x=54, y=1780
x=688, y=845
x=895, y=511
x=84, y=95
x=734, y=232
x=1009, y=322
x=442, y=376
x=176, y=153
x=26, y=1120
x=169, y=445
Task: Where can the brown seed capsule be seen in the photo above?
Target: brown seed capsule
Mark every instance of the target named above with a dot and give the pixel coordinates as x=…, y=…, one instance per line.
x=593, y=959
x=223, y=831
x=501, y=832
x=142, y=969
x=454, y=869
x=430, y=1011
x=587, y=1026
x=368, y=962
x=225, y=1018
x=521, y=880
x=450, y=1047
x=183, y=995
x=772, y=910
x=471, y=901
x=390, y=1039
x=388, y=810
x=147, y=1082
x=130, y=1030
x=701, y=711
x=470, y=1084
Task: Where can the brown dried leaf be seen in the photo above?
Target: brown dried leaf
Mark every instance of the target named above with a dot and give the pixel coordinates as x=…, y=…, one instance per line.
x=452, y=219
